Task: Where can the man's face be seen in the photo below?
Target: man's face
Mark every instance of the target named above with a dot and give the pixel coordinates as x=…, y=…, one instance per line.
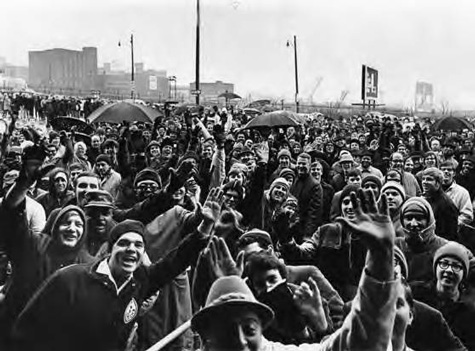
x=98, y=218
x=397, y=162
x=409, y=165
x=429, y=184
x=278, y=193
x=414, y=221
x=126, y=254
x=449, y=274
x=316, y=171
x=449, y=174
x=146, y=188
x=179, y=195
x=80, y=151
x=55, y=141
x=394, y=198
x=207, y=152
x=70, y=229
x=366, y=161
x=60, y=182
x=354, y=146
x=402, y=149
x=296, y=148
x=417, y=161
x=264, y=281
x=435, y=145
x=155, y=151
x=231, y=198
x=240, y=138
x=303, y=166
x=236, y=176
x=167, y=150
x=95, y=142
x=290, y=179
x=246, y=157
x=146, y=134
x=347, y=208
x=467, y=167
x=240, y=330
x=347, y=165
x=284, y=161
x=51, y=150
x=103, y=168
x=355, y=180
x=83, y=185
x=430, y=161
x=110, y=150
x=448, y=151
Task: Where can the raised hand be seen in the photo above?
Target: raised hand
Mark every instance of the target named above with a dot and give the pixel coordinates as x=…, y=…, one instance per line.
x=220, y=260
x=262, y=152
x=212, y=206
x=309, y=301
x=179, y=176
x=372, y=223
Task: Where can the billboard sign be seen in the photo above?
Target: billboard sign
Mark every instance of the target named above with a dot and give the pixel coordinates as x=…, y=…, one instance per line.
x=424, y=97
x=152, y=83
x=369, y=86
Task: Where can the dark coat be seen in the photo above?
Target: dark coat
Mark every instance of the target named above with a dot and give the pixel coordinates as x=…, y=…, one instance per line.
x=309, y=194
x=459, y=315
x=446, y=215
x=34, y=257
x=89, y=314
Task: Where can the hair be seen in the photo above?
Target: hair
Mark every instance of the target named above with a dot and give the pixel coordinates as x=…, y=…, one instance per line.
x=250, y=239
x=80, y=143
x=408, y=293
x=393, y=170
x=262, y=262
x=306, y=156
x=354, y=172
x=88, y=174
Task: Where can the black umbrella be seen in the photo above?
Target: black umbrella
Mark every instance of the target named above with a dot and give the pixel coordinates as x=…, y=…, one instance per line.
x=66, y=123
x=229, y=96
x=273, y=119
x=451, y=123
x=124, y=111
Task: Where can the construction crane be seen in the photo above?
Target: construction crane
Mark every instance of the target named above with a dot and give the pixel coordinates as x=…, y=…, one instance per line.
x=314, y=90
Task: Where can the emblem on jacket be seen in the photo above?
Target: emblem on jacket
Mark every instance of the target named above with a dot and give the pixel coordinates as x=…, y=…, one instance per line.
x=131, y=311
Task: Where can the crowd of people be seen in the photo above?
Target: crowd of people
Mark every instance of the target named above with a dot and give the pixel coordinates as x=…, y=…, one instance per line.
x=326, y=235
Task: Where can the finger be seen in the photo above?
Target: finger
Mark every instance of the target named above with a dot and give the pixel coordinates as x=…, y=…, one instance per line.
x=355, y=203
x=363, y=201
x=347, y=223
x=383, y=205
x=240, y=261
x=371, y=202
x=213, y=251
x=313, y=286
x=223, y=249
x=220, y=197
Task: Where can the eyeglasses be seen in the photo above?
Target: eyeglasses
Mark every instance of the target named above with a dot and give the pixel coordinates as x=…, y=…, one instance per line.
x=152, y=187
x=445, y=265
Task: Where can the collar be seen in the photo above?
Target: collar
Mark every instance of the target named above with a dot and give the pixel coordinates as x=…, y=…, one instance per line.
x=104, y=269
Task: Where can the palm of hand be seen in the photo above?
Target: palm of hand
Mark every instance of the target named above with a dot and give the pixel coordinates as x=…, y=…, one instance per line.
x=375, y=225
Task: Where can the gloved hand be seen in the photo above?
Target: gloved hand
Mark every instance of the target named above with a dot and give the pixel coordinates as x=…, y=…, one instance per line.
x=179, y=176
x=281, y=226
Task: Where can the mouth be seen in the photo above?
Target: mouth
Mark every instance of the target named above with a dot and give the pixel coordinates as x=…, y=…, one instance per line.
x=129, y=260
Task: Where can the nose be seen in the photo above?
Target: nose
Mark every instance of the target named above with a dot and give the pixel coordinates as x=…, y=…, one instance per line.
x=413, y=222
x=238, y=338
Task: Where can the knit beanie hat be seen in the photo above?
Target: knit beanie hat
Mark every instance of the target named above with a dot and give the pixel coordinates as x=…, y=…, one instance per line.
x=401, y=259
x=189, y=155
x=286, y=171
x=148, y=174
x=104, y=158
x=347, y=190
x=236, y=186
x=284, y=152
x=372, y=178
x=454, y=250
x=258, y=234
x=280, y=181
x=126, y=226
x=395, y=186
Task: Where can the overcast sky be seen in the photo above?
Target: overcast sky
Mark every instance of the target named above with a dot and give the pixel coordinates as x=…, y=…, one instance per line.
x=243, y=42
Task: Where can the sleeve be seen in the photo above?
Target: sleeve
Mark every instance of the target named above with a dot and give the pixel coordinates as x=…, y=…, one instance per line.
x=218, y=172
x=300, y=254
x=466, y=208
x=176, y=261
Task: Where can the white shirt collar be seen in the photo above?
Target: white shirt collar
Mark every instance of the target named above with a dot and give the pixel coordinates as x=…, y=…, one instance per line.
x=103, y=268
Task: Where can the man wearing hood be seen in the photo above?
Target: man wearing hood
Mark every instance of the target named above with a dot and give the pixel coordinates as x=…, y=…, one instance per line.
x=395, y=196
x=58, y=194
x=420, y=241
x=34, y=257
x=271, y=202
x=445, y=211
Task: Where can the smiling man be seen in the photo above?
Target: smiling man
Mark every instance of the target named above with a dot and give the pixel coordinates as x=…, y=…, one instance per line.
x=95, y=306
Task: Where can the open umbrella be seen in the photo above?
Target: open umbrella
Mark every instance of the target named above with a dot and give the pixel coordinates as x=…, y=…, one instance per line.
x=251, y=111
x=451, y=123
x=118, y=112
x=273, y=119
x=229, y=96
x=66, y=123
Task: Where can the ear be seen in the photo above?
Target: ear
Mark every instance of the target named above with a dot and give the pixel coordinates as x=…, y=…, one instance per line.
x=411, y=317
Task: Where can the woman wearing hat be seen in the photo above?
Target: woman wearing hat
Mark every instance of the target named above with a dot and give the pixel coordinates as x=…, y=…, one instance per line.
x=443, y=292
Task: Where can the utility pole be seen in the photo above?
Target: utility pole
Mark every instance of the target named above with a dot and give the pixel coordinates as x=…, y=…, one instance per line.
x=197, y=66
x=132, y=73
x=296, y=76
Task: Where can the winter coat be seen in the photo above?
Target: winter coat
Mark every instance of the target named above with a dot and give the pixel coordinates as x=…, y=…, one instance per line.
x=446, y=215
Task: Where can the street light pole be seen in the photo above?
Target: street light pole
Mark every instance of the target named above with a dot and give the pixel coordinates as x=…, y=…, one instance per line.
x=197, y=66
x=296, y=76
x=132, y=73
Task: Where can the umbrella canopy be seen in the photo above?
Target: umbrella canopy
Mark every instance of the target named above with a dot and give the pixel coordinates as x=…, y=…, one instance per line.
x=251, y=111
x=273, y=119
x=66, y=123
x=451, y=123
x=118, y=112
x=229, y=96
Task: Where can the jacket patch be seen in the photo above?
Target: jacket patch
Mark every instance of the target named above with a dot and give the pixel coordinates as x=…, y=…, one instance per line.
x=131, y=311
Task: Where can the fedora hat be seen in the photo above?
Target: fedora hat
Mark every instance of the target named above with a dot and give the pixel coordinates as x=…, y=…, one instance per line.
x=225, y=294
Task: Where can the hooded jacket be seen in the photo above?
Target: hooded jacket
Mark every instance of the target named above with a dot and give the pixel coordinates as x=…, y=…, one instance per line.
x=52, y=200
x=34, y=257
x=420, y=250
